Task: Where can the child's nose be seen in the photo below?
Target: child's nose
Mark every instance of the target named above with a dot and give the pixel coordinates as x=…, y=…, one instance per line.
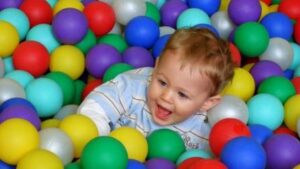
x=166, y=95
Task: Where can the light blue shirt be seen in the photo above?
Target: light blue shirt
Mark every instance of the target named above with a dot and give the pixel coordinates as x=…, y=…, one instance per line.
x=122, y=102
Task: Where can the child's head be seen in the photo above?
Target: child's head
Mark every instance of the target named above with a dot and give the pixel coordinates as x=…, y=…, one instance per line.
x=192, y=70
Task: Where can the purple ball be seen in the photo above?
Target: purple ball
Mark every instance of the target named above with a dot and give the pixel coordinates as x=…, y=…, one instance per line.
x=170, y=11
x=101, y=57
x=264, y=69
x=69, y=26
x=241, y=11
x=10, y=4
x=23, y=112
x=156, y=163
x=138, y=57
x=283, y=151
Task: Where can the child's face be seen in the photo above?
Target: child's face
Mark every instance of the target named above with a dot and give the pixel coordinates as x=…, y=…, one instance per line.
x=177, y=93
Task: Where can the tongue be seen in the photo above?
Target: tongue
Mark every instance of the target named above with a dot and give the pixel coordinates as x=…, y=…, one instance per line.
x=163, y=113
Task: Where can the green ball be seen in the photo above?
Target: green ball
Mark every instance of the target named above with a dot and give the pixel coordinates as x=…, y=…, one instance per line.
x=74, y=165
x=115, y=70
x=276, y=2
x=87, y=42
x=114, y=40
x=152, y=12
x=251, y=38
x=79, y=87
x=278, y=86
x=104, y=152
x=165, y=143
x=66, y=84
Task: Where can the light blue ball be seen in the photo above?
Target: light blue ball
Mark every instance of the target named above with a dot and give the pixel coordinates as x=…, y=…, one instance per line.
x=8, y=64
x=160, y=3
x=46, y=95
x=296, y=56
x=297, y=71
x=265, y=109
x=43, y=33
x=22, y=77
x=18, y=19
x=193, y=153
x=191, y=17
x=52, y=3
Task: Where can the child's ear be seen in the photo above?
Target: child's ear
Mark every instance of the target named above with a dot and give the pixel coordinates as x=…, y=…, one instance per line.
x=210, y=102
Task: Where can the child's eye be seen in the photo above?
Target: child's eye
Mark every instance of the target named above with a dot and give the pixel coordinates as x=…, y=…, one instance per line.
x=182, y=95
x=161, y=82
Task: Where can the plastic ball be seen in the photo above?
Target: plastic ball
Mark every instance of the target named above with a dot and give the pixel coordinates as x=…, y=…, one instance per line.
x=9, y=38
x=159, y=45
x=242, y=85
x=12, y=131
x=292, y=112
x=134, y=142
x=155, y=163
x=208, y=6
x=264, y=69
x=90, y=86
x=66, y=111
x=296, y=56
x=46, y=96
x=297, y=31
x=208, y=164
x=15, y=101
x=222, y=23
x=242, y=11
x=100, y=57
x=296, y=83
x=141, y=31
x=2, y=68
x=251, y=44
x=265, y=109
x=104, y=152
x=244, y=152
x=79, y=134
x=17, y=18
x=69, y=26
x=52, y=3
x=224, y=131
x=229, y=107
x=236, y=55
x=74, y=165
x=165, y=30
x=10, y=4
x=40, y=159
x=279, y=51
x=159, y=145
x=191, y=17
x=21, y=111
x=79, y=86
x=50, y=123
x=3, y=165
x=127, y=10
x=9, y=89
x=8, y=65
x=65, y=4
x=116, y=69
x=69, y=60
x=278, y=25
x=284, y=130
x=65, y=83
x=192, y=153
x=38, y=12
x=282, y=151
x=20, y=76
x=57, y=142
x=44, y=31
x=152, y=12
x=277, y=86
x=88, y=41
x=264, y=9
x=260, y=133
x=188, y=162
x=290, y=7
x=100, y=13
x=117, y=29
x=170, y=11
x=115, y=40
x=134, y=164
x=138, y=57
x=31, y=56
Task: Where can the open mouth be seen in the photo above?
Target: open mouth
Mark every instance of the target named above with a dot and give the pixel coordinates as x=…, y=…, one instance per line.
x=162, y=113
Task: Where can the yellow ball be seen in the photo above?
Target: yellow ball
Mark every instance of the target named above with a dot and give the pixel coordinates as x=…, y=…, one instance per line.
x=134, y=142
x=248, y=66
x=264, y=9
x=273, y=8
x=62, y=4
x=80, y=129
x=242, y=85
x=69, y=60
x=9, y=38
x=17, y=137
x=224, y=5
x=292, y=112
x=297, y=166
x=40, y=159
x=50, y=123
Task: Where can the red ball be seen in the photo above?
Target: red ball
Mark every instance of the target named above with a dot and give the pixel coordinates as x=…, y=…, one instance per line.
x=268, y=2
x=297, y=31
x=90, y=86
x=290, y=7
x=285, y=130
x=225, y=130
x=208, y=164
x=296, y=82
x=236, y=55
x=188, y=162
x=37, y=11
x=31, y=56
x=101, y=17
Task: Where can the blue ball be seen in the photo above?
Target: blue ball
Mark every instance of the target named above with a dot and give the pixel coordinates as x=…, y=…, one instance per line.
x=141, y=31
x=160, y=45
x=134, y=164
x=278, y=25
x=288, y=73
x=260, y=133
x=209, y=6
x=6, y=166
x=209, y=27
x=16, y=101
x=244, y=152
